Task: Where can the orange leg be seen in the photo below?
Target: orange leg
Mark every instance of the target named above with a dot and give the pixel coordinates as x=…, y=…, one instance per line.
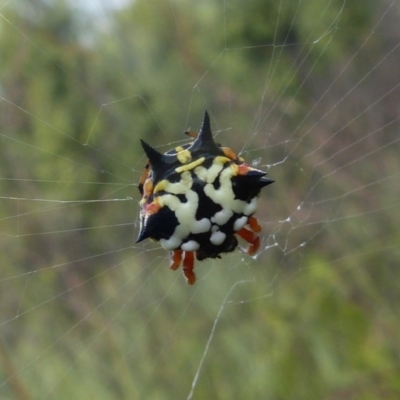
x=191, y=134
x=229, y=153
x=188, y=266
x=251, y=238
x=176, y=258
x=143, y=177
x=254, y=225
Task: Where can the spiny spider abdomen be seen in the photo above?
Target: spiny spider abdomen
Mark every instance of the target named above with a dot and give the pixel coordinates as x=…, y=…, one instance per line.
x=196, y=198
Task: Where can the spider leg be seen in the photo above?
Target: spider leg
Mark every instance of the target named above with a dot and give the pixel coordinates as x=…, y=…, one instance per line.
x=188, y=266
x=191, y=134
x=175, y=258
x=254, y=225
x=250, y=237
x=229, y=153
x=143, y=177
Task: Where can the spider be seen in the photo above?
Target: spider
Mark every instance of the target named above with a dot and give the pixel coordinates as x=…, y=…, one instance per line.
x=196, y=198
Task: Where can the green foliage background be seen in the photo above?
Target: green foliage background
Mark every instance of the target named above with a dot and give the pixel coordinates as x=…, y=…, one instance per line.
x=85, y=313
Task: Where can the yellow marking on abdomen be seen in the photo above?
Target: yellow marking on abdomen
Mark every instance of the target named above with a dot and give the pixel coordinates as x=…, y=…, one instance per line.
x=190, y=166
x=184, y=156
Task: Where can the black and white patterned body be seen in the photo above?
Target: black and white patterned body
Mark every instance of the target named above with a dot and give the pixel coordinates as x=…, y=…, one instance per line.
x=197, y=197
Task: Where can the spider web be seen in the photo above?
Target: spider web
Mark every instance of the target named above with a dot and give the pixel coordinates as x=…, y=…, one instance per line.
x=306, y=90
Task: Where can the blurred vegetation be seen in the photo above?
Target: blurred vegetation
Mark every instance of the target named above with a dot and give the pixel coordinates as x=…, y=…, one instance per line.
x=87, y=314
